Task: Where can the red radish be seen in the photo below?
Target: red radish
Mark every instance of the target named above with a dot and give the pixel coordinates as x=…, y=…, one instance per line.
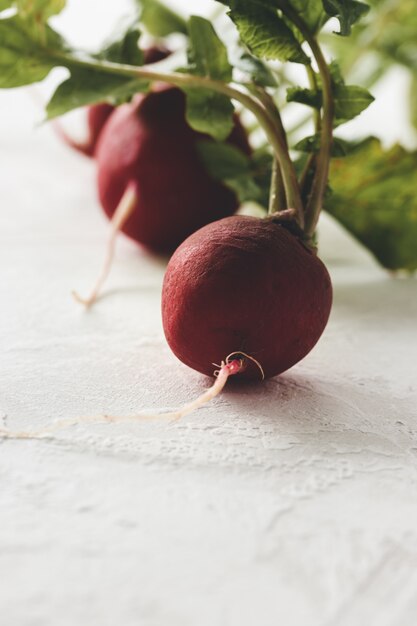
x=154, y=54
x=245, y=286
x=98, y=114
x=152, y=183
x=149, y=144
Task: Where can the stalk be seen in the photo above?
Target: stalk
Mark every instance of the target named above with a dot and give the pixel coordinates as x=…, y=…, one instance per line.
x=318, y=189
x=314, y=86
x=269, y=124
x=275, y=204
x=311, y=159
x=276, y=197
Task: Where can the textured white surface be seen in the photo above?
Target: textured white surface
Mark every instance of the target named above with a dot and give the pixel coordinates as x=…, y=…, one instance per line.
x=293, y=502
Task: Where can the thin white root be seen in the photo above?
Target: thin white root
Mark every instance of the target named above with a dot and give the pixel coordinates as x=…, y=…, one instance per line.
x=120, y=216
x=227, y=369
x=85, y=147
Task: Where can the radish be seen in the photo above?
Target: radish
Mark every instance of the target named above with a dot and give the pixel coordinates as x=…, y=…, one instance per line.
x=245, y=285
x=149, y=145
x=152, y=183
x=98, y=114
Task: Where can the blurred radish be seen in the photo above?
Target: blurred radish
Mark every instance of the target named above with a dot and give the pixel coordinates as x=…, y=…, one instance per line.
x=151, y=180
x=98, y=114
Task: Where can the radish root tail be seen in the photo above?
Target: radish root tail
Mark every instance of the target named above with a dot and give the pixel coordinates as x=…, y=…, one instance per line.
x=120, y=216
x=234, y=364
x=230, y=368
x=85, y=147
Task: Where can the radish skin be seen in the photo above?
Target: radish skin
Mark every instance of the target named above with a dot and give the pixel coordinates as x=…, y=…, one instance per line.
x=245, y=284
x=149, y=142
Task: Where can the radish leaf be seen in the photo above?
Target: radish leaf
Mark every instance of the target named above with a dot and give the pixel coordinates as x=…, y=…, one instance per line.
x=207, y=54
x=207, y=111
x=350, y=100
x=312, y=13
x=85, y=87
x=222, y=160
x=160, y=21
x=374, y=197
x=40, y=10
x=348, y=12
x=255, y=69
x=340, y=147
x=265, y=33
x=248, y=177
x=23, y=56
x=123, y=47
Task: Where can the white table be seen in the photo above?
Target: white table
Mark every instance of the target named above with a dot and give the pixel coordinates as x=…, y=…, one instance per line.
x=293, y=502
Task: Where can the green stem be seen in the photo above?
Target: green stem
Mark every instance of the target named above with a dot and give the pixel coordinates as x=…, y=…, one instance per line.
x=314, y=87
x=310, y=163
x=270, y=126
x=277, y=200
x=318, y=189
x=295, y=201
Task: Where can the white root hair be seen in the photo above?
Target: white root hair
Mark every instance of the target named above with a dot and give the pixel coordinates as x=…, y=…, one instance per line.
x=122, y=213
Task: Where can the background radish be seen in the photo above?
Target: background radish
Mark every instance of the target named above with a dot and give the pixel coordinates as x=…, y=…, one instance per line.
x=98, y=114
x=149, y=144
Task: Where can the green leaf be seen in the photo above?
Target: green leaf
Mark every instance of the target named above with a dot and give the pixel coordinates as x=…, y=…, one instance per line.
x=207, y=111
x=28, y=53
x=311, y=12
x=256, y=70
x=41, y=10
x=23, y=58
x=86, y=87
x=160, y=21
x=265, y=33
x=222, y=160
x=123, y=47
x=308, y=97
x=340, y=147
x=374, y=197
x=245, y=188
x=349, y=100
x=248, y=177
x=348, y=12
x=208, y=53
